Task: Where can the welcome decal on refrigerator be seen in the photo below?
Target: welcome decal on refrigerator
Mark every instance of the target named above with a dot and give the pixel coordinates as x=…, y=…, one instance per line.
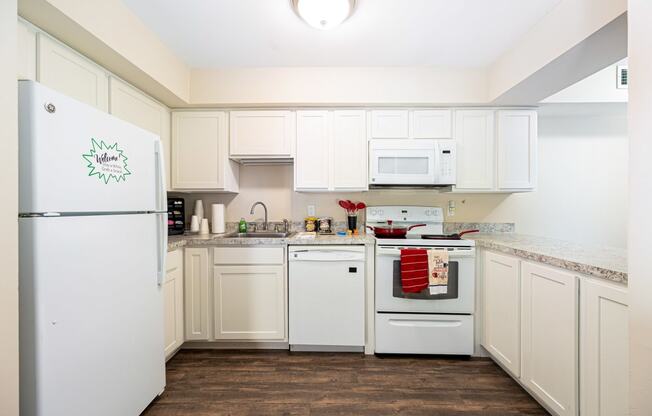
x=107, y=162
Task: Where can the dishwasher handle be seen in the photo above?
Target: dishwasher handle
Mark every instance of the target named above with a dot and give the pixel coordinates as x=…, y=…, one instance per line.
x=325, y=256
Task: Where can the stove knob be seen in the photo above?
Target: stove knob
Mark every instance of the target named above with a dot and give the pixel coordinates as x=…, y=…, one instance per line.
x=374, y=212
x=380, y=212
x=428, y=213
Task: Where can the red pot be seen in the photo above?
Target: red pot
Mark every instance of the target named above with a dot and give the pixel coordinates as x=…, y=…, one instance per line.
x=392, y=231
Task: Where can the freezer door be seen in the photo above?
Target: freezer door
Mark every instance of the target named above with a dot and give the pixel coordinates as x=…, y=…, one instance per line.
x=91, y=315
x=75, y=158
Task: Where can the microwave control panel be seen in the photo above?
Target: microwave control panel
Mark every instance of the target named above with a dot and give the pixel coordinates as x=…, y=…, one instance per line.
x=447, y=171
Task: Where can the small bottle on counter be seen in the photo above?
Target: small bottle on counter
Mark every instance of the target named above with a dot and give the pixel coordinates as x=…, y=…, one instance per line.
x=242, y=226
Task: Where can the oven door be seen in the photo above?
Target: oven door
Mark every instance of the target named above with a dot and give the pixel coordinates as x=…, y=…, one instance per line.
x=402, y=162
x=461, y=284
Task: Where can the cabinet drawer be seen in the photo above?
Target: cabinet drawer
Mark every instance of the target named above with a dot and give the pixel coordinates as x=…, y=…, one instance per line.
x=174, y=260
x=248, y=255
x=424, y=334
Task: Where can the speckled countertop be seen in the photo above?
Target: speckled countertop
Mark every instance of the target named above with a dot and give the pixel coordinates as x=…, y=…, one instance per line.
x=603, y=262
x=176, y=241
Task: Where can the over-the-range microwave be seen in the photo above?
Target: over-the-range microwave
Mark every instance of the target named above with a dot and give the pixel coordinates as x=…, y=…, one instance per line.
x=411, y=162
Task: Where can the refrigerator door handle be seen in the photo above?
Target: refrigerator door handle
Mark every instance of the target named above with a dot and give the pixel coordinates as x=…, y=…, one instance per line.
x=161, y=188
x=162, y=249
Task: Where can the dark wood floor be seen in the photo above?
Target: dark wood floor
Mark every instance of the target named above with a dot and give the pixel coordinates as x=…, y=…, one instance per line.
x=212, y=382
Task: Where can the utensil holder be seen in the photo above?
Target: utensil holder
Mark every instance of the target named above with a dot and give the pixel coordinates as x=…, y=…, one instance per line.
x=352, y=222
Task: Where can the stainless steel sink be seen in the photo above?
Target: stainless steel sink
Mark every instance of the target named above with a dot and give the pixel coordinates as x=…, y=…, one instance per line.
x=258, y=234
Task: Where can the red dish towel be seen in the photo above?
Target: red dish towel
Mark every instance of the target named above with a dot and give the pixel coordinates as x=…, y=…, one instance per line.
x=414, y=270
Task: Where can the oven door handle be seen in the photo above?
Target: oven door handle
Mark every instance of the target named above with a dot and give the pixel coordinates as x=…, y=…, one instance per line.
x=455, y=252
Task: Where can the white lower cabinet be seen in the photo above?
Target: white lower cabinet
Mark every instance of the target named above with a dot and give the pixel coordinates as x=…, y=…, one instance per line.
x=173, y=302
x=604, y=349
x=197, y=293
x=502, y=310
x=249, y=302
x=249, y=294
x=550, y=336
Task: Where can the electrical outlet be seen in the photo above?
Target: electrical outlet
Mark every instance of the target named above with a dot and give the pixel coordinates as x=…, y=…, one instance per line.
x=451, y=208
x=311, y=210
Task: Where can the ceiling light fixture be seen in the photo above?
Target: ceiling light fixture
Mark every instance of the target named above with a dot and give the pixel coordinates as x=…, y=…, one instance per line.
x=323, y=14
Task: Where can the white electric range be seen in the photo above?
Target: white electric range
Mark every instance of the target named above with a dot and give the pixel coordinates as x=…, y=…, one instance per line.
x=421, y=323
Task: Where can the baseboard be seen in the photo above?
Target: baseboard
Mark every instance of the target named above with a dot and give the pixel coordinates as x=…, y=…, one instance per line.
x=239, y=345
x=326, y=348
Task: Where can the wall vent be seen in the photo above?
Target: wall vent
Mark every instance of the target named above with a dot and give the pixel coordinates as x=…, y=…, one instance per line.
x=622, y=80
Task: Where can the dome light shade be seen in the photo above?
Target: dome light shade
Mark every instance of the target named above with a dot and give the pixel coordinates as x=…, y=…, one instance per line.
x=323, y=14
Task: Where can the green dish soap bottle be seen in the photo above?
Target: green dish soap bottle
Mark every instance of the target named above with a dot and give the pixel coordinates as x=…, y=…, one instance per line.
x=242, y=226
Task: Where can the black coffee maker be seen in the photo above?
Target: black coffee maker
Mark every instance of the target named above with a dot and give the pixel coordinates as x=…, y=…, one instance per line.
x=176, y=216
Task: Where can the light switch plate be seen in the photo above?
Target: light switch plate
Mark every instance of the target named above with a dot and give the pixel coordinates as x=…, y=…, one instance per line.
x=311, y=210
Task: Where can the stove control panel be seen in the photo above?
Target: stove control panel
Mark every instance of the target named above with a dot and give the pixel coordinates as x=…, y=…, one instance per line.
x=405, y=214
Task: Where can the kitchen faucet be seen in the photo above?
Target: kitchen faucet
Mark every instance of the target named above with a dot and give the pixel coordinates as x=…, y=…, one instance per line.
x=265, y=208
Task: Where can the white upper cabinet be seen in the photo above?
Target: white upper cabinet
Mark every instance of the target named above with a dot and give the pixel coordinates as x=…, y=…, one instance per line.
x=496, y=150
x=431, y=124
x=389, y=124
x=550, y=336
x=331, y=151
x=313, y=151
x=349, y=152
x=264, y=134
x=199, y=152
x=64, y=70
x=474, y=132
x=604, y=349
x=133, y=106
x=502, y=310
x=516, y=149
x=26, y=49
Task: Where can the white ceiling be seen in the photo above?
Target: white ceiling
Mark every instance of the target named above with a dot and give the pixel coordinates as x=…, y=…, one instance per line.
x=262, y=33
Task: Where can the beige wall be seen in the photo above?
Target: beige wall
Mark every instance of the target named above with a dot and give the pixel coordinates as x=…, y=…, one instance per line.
x=337, y=85
x=582, y=193
x=8, y=213
x=640, y=207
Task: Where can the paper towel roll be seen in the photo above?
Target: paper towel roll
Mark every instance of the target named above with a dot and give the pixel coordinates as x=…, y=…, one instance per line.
x=217, y=218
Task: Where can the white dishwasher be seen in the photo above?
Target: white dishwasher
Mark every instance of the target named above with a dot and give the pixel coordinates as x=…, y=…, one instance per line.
x=326, y=298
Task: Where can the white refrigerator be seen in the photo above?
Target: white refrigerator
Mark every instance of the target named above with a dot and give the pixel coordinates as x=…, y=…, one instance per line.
x=93, y=240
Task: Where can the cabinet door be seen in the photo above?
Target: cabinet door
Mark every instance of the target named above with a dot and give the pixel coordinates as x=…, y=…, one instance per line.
x=502, y=310
x=26, y=48
x=129, y=104
x=173, y=302
x=350, y=155
x=261, y=134
x=64, y=70
x=517, y=149
x=549, y=327
x=198, y=149
x=250, y=303
x=312, y=163
x=604, y=349
x=431, y=124
x=196, y=293
x=474, y=132
x=389, y=124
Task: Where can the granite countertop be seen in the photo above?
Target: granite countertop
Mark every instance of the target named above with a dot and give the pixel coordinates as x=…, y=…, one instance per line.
x=607, y=263
x=177, y=241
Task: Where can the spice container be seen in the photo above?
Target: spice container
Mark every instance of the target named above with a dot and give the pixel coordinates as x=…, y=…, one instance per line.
x=325, y=225
x=310, y=224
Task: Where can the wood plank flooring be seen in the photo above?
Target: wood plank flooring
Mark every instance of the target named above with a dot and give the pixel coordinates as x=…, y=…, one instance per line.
x=214, y=382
